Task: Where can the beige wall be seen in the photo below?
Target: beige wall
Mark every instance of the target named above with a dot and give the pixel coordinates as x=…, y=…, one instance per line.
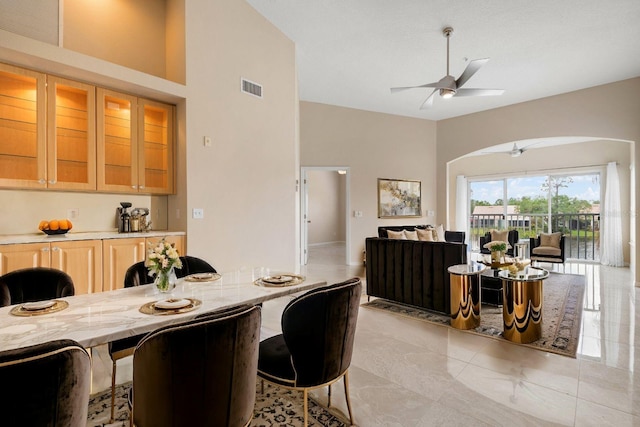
x=609, y=111
x=571, y=159
x=372, y=145
x=326, y=211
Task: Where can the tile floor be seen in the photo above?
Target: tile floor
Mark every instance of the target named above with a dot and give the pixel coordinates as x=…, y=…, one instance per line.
x=411, y=373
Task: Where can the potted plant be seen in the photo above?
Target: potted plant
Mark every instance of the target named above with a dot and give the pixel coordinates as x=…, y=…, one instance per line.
x=497, y=248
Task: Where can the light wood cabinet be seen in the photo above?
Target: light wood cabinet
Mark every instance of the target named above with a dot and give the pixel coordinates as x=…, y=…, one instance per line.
x=80, y=259
x=71, y=138
x=22, y=128
x=27, y=255
x=118, y=256
x=135, y=144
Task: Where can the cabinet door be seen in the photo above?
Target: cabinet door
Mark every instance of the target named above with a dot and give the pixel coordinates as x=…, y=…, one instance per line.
x=71, y=139
x=155, y=144
x=22, y=128
x=28, y=255
x=82, y=260
x=118, y=256
x=117, y=133
x=178, y=242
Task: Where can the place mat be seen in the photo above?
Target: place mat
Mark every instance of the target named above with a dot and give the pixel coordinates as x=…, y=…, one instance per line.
x=150, y=308
x=274, y=282
x=203, y=277
x=561, y=315
x=58, y=305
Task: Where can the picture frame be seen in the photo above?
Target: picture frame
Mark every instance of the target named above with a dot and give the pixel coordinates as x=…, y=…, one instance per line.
x=399, y=198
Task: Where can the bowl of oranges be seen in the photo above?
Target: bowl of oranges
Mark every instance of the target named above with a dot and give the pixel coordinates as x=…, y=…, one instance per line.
x=55, y=226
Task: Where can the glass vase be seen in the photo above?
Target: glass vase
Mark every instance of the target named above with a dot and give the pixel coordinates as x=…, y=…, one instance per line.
x=165, y=281
x=496, y=256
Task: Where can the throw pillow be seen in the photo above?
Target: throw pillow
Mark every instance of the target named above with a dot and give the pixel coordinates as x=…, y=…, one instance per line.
x=550, y=240
x=396, y=235
x=425, y=235
x=501, y=236
x=410, y=235
x=440, y=233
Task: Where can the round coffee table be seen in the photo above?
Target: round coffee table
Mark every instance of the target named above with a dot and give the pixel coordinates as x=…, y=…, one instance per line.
x=522, y=304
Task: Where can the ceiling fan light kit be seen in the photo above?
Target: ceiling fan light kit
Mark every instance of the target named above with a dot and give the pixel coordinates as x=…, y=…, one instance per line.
x=448, y=86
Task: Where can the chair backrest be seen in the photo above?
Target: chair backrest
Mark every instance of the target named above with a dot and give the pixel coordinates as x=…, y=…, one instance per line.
x=138, y=273
x=198, y=373
x=35, y=284
x=319, y=329
x=45, y=385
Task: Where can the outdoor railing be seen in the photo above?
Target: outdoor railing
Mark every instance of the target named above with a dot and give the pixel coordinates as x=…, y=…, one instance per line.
x=581, y=231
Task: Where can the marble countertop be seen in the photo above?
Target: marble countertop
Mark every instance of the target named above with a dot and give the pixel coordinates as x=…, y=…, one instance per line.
x=99, y=318
x=70, y=236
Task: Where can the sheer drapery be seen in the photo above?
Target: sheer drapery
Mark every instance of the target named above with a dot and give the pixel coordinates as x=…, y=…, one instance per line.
x=462, y=213
x=611, y=232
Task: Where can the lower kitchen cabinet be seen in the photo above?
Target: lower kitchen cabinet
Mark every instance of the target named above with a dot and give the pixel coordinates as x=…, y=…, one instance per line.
x=27, y=255
x=118, y=256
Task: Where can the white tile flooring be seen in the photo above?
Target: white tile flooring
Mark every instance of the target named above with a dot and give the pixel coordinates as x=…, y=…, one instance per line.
x=411, y=373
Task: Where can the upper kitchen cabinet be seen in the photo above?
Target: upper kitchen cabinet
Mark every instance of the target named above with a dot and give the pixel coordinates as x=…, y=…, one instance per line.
x=71, y=139
x=22, y=128
x=135, y=144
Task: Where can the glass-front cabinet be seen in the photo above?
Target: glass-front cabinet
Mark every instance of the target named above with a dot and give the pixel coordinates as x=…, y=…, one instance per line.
x=155, y=173
x=22, y=128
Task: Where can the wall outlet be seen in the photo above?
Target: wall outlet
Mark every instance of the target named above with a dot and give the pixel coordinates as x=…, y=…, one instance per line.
x=73, y=213
x=207, y=141
x=198, y=213
x=357, y=214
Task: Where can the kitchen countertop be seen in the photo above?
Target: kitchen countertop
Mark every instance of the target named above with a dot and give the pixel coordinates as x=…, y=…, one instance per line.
x=93, y=235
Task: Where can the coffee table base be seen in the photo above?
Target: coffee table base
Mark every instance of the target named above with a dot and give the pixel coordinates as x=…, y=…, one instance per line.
x=522, y=310
x=465, y=301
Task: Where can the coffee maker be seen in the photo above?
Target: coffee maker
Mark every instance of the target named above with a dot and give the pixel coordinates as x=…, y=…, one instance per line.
x=123, y=218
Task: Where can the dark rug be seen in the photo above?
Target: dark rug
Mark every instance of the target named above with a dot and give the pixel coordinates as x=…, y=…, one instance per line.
x=561, y=315
x=276, y=407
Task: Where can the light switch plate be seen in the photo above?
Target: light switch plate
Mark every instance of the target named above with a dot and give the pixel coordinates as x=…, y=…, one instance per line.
x=198, y=213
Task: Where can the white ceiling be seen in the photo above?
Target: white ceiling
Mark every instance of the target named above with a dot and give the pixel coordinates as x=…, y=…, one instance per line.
x=351, y=52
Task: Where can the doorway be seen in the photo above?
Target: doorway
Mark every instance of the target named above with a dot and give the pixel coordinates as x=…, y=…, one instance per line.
x=325, y=215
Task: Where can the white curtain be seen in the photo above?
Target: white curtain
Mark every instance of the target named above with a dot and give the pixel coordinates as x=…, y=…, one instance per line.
x=461, y=203
x=611, y=228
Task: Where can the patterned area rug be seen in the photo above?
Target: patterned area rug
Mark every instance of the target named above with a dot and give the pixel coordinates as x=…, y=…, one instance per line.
x=276, y=407
x=561, y=315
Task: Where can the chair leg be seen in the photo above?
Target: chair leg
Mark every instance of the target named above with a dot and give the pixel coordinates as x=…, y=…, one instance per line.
x=329, y=396
x=113, y=390
x=306, y=407
x=346, y=395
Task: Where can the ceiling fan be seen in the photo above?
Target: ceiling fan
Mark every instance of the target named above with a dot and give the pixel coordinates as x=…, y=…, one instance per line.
x=448, y=86
x=514, y=152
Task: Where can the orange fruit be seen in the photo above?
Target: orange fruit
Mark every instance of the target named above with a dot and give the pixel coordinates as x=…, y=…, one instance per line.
x=44, y=225
x=54, y=224
x=62, y=223
x=69, y=225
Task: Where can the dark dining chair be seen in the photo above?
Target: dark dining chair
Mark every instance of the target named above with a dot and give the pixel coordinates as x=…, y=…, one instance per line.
x=34, y=284
x=45, y=385
x=316, y=344
x=138, y=275
x=201, y=372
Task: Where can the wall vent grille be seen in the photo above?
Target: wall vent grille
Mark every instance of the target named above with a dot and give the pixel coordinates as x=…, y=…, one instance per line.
x=251, y=88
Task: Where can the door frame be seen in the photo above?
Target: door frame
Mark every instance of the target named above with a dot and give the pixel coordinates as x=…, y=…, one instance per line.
x=304, y=207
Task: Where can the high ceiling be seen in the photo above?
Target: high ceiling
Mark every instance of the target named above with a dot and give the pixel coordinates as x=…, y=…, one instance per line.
x=351, y=52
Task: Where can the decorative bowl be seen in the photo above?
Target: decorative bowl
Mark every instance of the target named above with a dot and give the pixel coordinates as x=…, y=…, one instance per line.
x=53, y=232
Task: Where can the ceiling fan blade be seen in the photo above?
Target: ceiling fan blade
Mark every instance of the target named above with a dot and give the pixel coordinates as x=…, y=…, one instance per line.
x=470, y=71
x=479, y=92
x=398, y=89
x=428, y=103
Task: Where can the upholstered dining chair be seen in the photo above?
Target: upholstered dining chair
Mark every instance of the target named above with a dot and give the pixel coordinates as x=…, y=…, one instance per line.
x=45, y=385
x=200, y=372
x=138, y=275
x=316, y=344
x=34, y=284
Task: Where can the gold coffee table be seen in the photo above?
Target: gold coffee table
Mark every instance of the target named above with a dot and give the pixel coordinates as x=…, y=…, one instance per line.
x=465, y=295
x=522, y=304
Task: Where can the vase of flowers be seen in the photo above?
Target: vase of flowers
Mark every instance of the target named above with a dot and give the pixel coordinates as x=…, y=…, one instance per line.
x=497, y=249
x=162, y=261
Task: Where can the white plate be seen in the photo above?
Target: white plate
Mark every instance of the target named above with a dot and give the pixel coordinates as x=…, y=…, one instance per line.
x=38, y=305
x=277, y=279
x=172, y=303
x=202, y=277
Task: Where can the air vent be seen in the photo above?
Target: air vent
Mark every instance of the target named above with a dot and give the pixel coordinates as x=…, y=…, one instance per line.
x=251, y=88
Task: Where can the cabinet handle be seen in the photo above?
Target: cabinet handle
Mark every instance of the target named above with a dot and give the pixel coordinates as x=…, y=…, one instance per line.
x=134, y=187
x=55, y=249
x=45, y=249
x=42, y=181
x=141, y=187
x=52, y=181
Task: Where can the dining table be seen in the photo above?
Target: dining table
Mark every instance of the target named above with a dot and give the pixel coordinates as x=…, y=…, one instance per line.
x=98, y=318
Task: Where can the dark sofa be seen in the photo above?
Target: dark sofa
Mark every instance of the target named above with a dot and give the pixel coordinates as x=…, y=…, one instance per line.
x=412, y=272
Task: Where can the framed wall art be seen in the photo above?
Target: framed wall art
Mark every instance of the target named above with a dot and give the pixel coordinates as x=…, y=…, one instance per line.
x=399, y=198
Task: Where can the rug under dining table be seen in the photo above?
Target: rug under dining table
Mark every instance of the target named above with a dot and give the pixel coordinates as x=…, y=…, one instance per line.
x=276, y=407
x=562, y=313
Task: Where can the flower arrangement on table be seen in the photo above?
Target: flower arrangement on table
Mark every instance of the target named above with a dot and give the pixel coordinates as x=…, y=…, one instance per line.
x=497, y=248
x=161, y=262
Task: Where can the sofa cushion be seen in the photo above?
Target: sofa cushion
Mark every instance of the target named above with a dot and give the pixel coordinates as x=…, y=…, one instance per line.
x=550, y=240
x=440, y=234
x=547, y=250
x=425, y=235
x=500, y=235
x=411, y=235
x=396, y=234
